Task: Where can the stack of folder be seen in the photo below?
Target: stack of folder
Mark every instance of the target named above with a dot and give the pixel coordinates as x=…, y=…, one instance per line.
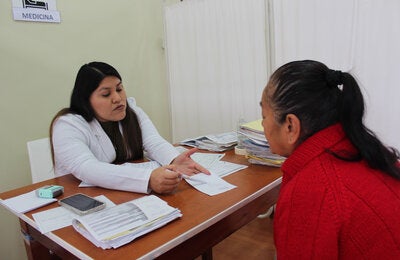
x=256, y=145
x=213, y=142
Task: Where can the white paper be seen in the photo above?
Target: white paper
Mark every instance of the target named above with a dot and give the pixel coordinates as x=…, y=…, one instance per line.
x=53, y=219
x=223, y=168
x=85, y=185
x=207, y=160
x=26, y=202
x=60, y=217
x=181, y=149
x=213, y=184
x=209, y=184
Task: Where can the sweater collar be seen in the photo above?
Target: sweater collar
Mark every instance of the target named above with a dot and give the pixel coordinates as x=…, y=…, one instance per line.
x=311, y=148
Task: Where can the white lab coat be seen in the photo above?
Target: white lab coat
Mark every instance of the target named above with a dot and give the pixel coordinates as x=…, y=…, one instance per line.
x=85, y=150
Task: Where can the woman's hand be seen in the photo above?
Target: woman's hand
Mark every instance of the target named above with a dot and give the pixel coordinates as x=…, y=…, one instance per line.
x=185, y=165
x=164, y=179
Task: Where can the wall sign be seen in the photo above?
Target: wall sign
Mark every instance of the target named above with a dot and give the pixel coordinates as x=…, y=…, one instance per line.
x=36, y=11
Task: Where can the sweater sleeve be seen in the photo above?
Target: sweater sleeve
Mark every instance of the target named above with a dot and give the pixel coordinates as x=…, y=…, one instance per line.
x=306, y=224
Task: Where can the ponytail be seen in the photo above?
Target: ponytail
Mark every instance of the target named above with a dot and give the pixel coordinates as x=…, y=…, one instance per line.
x=351, y=111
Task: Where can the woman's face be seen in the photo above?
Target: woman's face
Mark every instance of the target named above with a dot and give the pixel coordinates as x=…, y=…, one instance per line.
x=273, y=131
x=109, y=100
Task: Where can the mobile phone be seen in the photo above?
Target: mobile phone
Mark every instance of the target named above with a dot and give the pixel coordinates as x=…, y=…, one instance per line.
x=81, y=204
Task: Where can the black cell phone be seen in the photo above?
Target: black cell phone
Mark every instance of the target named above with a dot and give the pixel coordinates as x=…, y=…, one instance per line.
x=81, y=204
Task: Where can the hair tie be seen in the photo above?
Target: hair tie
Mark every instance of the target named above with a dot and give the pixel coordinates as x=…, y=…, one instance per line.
x=334, y=78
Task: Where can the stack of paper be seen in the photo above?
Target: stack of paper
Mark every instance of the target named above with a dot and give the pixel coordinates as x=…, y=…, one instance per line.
x=256, y=145
x=258, y=154
x=116, y=226
x=213, y=142
x=254, y=131
x=26, y=202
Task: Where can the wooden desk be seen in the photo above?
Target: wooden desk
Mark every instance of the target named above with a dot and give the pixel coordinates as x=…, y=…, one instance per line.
x=206, y=220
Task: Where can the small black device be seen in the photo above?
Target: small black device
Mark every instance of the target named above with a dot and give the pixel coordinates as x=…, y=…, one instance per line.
x=81, y=204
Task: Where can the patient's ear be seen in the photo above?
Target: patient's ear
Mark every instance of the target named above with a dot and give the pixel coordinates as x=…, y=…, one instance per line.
x=292, y=128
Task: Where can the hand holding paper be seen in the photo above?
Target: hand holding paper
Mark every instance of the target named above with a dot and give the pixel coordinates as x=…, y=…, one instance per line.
x=186, y=165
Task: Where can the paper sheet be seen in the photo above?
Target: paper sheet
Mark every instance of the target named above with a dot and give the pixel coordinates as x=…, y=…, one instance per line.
x=223, y=168
x=209, y=184
x=26, y=202
x=207, y=160
x=213, y=184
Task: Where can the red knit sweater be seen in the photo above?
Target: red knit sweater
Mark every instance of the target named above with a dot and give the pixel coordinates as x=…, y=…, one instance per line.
x=333, y=209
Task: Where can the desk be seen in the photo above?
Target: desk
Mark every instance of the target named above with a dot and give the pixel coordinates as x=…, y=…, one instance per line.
x=206, y=220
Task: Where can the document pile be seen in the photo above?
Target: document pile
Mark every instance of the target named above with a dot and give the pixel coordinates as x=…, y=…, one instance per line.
x=213, y=142
x=256, y=145
x=116, y=226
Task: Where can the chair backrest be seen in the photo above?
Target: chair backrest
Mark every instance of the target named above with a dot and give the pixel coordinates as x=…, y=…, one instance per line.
x=40, y=160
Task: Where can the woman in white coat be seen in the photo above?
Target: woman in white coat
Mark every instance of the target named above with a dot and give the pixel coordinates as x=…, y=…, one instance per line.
x=102, y=131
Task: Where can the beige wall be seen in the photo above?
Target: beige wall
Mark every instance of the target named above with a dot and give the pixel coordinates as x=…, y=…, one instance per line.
x=38, y=64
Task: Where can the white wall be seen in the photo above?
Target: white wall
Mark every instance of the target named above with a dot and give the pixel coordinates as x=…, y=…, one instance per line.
x=38, y=64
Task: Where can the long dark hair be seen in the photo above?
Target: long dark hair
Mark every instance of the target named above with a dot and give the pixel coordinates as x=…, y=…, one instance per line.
x=87, y=80
x=320, y=97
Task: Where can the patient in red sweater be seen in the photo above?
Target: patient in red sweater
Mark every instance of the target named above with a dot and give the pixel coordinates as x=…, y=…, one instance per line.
x=340, y=195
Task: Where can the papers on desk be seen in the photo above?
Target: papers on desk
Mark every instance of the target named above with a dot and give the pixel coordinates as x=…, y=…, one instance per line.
x=26, y=202
x=223, y=168
x=209, y=184
x=119, y=225
x=212, y=184
x=254, y=131
x=213, y=142
x=207, y=160
x=257, y=146
x=56, y=218
x=213, y=163
x=261, y=154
